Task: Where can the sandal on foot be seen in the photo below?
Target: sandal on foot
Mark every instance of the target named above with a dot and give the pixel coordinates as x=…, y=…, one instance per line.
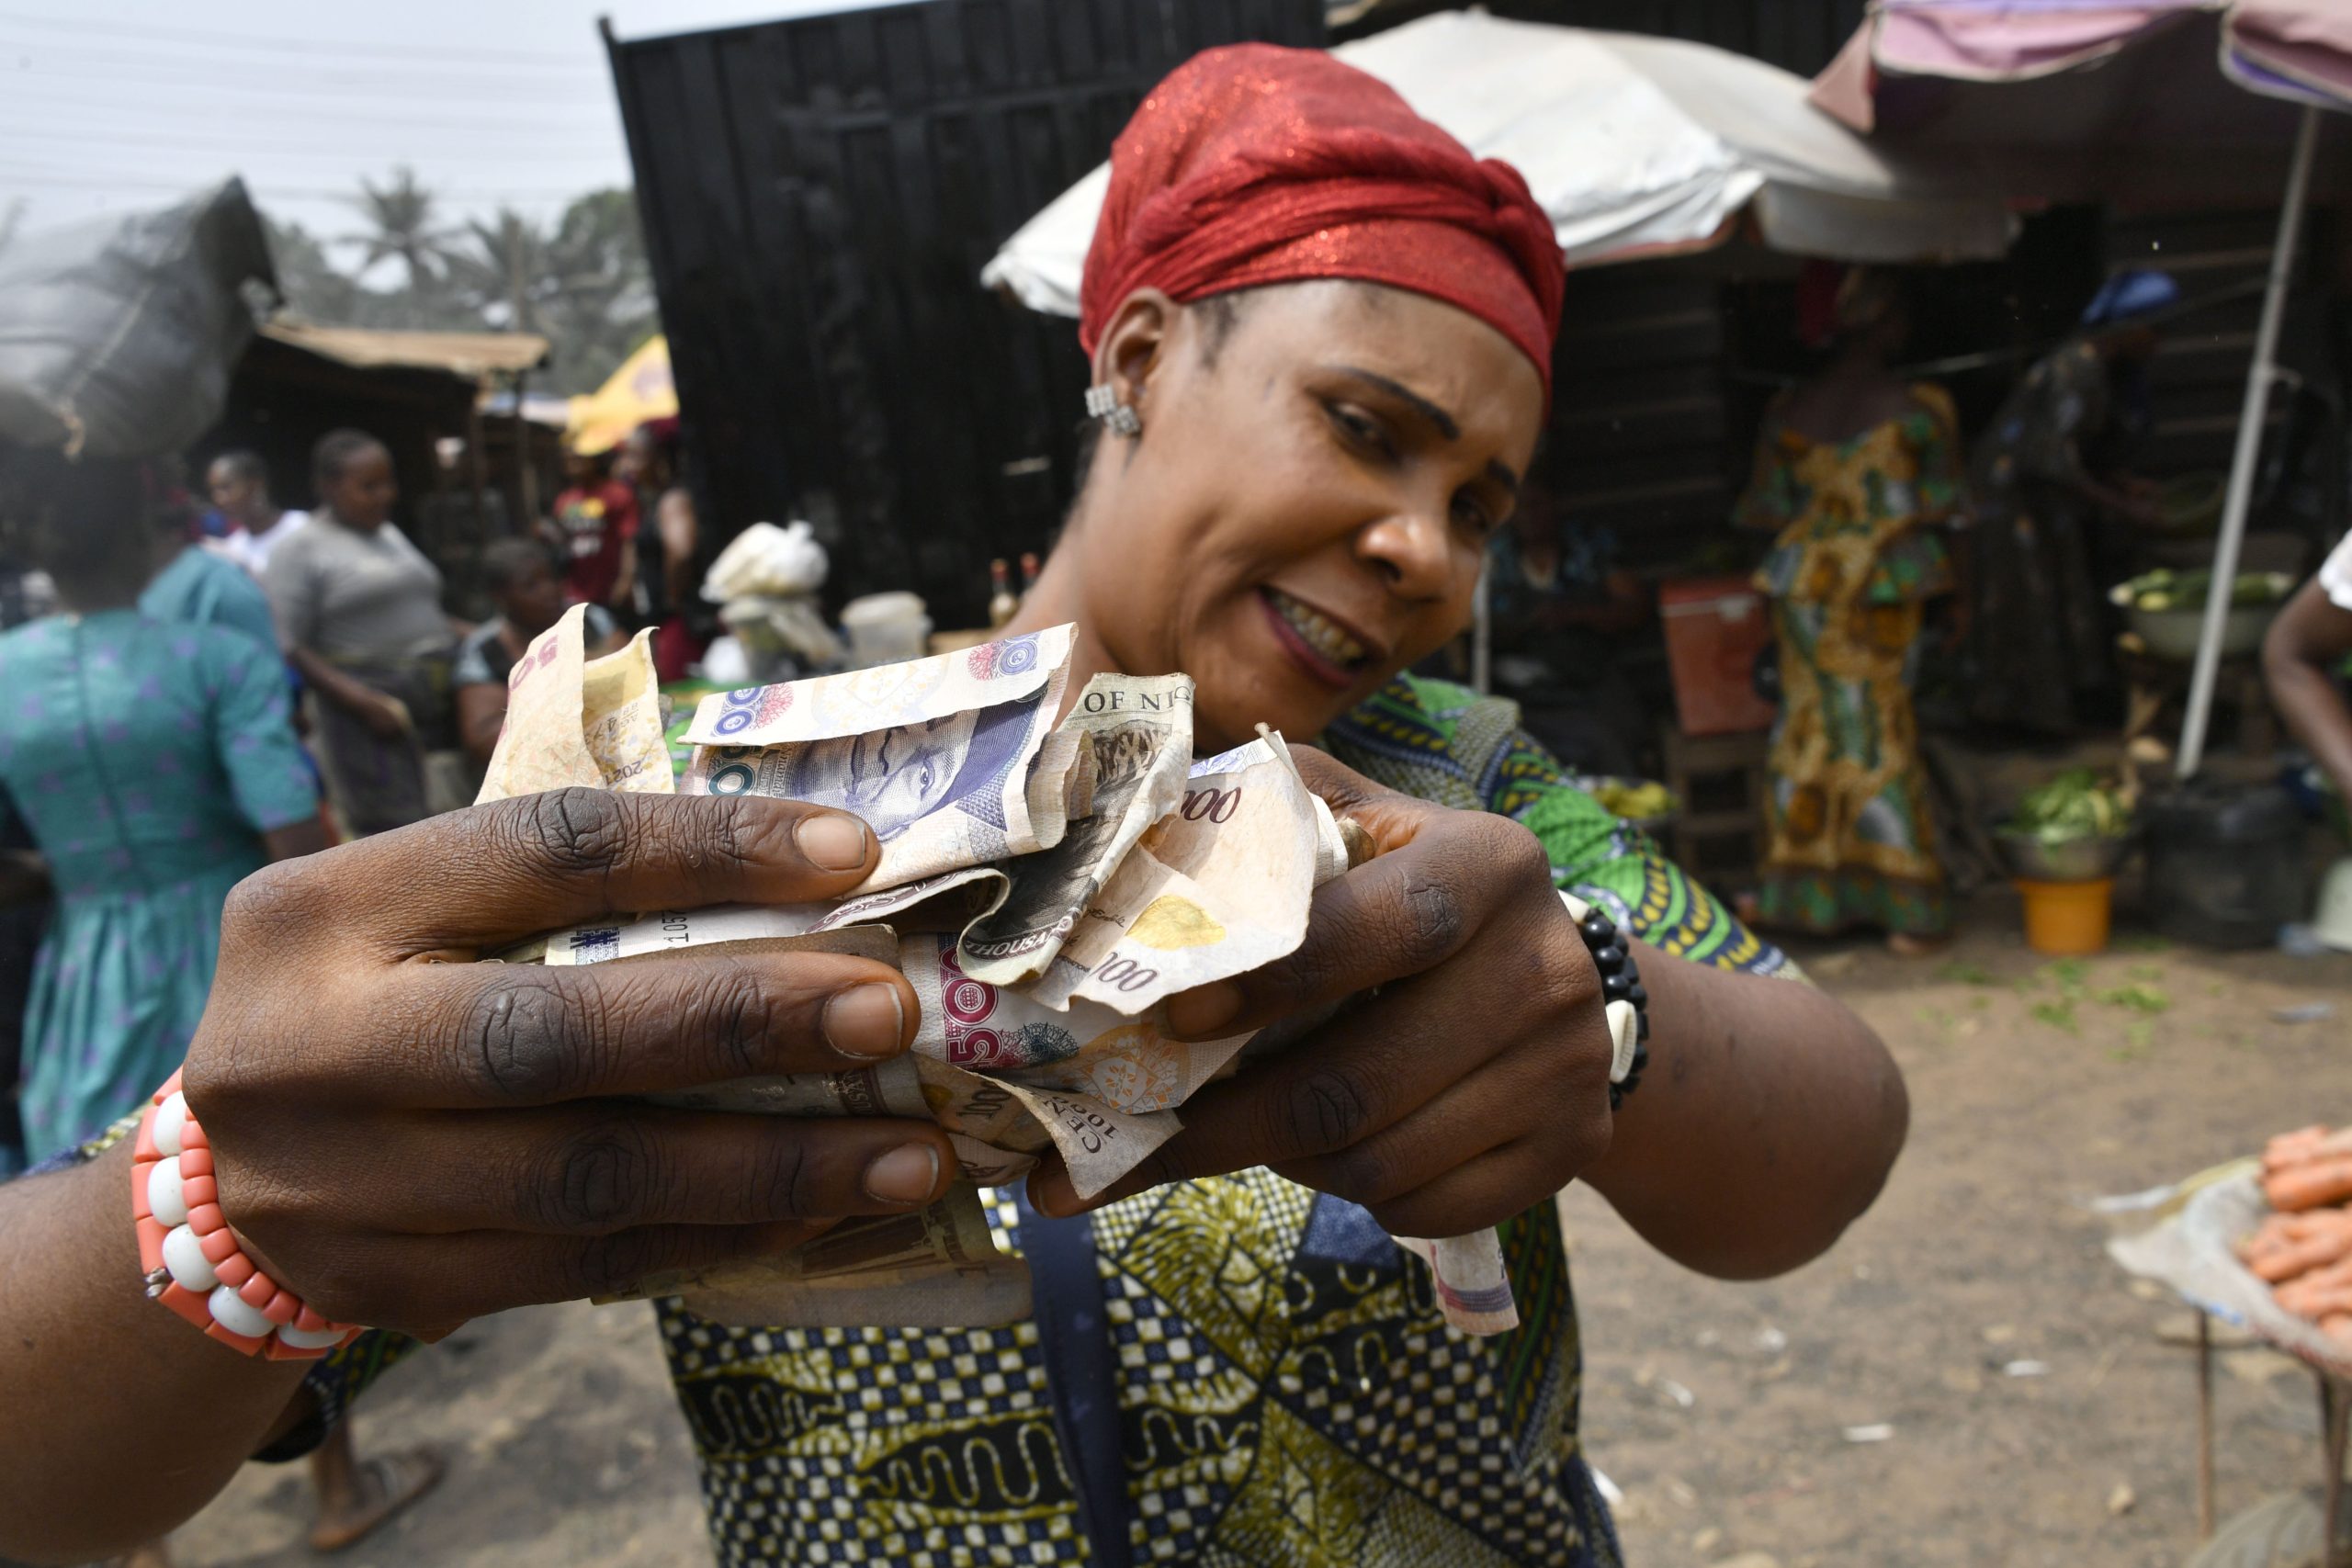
x=391, y=1483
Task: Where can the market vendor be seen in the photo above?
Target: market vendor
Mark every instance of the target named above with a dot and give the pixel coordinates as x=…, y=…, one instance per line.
x=1320, y=335
x=521, y=578
x=2050, y=501
x=2302, y=658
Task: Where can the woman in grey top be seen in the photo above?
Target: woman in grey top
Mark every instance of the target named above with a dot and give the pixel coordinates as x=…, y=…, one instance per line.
x=358, y=608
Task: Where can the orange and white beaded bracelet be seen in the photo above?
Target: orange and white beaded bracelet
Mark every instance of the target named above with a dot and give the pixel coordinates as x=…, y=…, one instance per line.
x=193, y=1263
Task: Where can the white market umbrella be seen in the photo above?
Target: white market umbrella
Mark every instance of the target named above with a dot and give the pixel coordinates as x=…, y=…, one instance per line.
x=2140, y=100
x=1633, y=146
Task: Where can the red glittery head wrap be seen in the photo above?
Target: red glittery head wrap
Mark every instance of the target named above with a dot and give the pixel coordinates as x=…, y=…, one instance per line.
x=1253, y=164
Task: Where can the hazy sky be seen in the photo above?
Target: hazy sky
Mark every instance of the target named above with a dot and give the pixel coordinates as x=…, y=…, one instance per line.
x=116, y=104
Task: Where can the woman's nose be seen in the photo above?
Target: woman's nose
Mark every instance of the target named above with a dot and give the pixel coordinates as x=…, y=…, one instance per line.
x=1414, y=551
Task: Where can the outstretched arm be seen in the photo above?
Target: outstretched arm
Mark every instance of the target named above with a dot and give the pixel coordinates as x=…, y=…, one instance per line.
x=1766, y=1124
x=128, y=1420
x=2312, y=635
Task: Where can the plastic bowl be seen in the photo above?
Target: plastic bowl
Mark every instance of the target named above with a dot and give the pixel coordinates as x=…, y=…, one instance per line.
x=2074, y=860
x=2172, y=633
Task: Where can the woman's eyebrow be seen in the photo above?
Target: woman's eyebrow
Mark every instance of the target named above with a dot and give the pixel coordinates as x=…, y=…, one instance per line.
x=1445, y=423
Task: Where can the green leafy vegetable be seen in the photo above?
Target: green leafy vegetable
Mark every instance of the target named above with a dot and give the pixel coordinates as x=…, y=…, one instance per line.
x=2075, y=805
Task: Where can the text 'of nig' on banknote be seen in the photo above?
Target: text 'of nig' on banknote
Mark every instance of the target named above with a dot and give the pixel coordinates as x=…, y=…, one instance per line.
x=952, y=761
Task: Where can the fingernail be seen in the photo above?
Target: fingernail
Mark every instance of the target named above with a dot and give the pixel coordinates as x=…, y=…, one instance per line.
x=1054, y=1197
x=1204, y=1011
x=833, y=842
x=865, y=1020
x=905, y=1175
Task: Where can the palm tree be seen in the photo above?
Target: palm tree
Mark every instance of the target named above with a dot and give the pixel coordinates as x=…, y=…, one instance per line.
x=505, y=273
x=400, y=215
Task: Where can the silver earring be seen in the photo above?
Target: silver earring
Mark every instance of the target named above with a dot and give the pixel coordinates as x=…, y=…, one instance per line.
x=1102, y=402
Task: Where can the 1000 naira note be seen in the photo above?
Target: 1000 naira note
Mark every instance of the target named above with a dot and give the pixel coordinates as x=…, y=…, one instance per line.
x=947, y=758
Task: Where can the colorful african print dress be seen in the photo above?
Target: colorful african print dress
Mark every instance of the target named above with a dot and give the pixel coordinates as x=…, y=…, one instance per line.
x=1289, y=1393
x=1852, y=839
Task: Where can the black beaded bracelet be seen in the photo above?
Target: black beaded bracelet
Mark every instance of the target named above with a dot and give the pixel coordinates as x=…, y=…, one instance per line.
x=1621, y=981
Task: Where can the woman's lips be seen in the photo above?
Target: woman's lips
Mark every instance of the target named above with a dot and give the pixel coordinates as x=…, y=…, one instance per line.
x=1311, y=659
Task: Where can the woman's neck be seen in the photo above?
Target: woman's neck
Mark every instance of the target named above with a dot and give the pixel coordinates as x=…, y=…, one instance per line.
x=1053, y=599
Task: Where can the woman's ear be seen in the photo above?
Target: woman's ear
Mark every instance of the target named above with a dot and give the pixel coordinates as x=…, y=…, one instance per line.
x=1133, y=345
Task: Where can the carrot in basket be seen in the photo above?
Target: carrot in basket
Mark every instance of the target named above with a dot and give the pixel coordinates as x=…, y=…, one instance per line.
x=2305, y=1299
x=2320, y=1251
x=2309, y=1186
x=2280, y=1231
x=2299, y=1149
x=2288, y=1148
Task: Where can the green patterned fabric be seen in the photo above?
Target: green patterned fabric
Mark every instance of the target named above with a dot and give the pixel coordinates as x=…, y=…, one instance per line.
x=1445, y=743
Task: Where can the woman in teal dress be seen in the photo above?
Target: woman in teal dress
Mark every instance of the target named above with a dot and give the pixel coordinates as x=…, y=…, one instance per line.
x=155, y=766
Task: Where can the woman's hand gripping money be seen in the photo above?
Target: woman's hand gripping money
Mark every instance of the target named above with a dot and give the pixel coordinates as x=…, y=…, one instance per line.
x=1467, y=1076
x=410, y=1139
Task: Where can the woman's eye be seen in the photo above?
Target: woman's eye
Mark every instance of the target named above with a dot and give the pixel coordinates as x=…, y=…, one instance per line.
x=1361, y=429
x=1471, y=513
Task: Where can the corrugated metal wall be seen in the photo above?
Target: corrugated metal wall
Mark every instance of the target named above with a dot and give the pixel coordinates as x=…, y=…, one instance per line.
x=818, y=197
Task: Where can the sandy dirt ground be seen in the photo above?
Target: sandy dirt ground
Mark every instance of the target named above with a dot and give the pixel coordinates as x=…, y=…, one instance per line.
x=2031, y=1407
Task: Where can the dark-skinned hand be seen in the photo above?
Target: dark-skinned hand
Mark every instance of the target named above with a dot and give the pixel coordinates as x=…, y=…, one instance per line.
x=408, y=1139
x=1473, y=1084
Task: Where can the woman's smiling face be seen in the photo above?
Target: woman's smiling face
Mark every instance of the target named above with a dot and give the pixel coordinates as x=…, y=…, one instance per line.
x=1308, y=507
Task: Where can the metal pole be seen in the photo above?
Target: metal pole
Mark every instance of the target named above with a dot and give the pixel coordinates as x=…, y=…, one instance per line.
x=2333, y=1410
x=526, y=476
x=2204, y=1426
x=2240, y=496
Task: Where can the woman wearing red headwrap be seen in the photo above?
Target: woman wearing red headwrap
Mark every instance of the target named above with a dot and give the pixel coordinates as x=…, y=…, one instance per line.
x=1320, y=334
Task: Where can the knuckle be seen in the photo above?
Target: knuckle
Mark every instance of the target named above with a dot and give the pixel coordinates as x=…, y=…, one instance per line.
x=527, y=1036
x=787, y=1180
x=1434, y=919
x=617, y=1260
x=736, y=1014
x=739, y=832
x=270, y=908
x=1324, y=1111
x=600, y=1179
x=579, y=831
x=1362, y=1174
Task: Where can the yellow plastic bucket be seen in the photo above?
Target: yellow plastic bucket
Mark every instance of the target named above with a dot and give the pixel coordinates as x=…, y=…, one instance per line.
x=2067, y=920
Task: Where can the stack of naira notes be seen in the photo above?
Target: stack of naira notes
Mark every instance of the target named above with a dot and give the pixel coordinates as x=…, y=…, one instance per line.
x=1045, y=883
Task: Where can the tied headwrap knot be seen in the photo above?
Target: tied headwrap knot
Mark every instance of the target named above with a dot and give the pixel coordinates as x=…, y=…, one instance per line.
x=1253, y=164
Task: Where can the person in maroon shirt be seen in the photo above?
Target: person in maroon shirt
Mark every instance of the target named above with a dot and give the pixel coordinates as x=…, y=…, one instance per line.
x=595, y=528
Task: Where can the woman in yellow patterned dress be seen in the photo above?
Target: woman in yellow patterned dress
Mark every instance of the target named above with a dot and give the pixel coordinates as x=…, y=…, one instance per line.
x=1854, y=471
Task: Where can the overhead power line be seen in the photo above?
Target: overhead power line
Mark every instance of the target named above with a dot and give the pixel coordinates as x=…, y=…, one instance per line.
x=103, y=185
x=338, y=87
x=265, y=147
x=595, y=112
x=536, y=59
